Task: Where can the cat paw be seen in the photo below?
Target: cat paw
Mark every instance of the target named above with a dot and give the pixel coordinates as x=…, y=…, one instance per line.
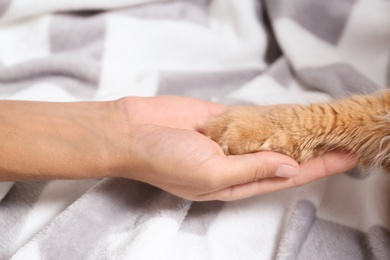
x=242, y=130
x=253, y=129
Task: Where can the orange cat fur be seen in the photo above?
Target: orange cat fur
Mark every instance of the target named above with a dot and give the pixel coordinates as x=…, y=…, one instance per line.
x=359, y=124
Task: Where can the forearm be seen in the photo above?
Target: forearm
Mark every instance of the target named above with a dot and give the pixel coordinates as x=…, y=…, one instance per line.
x=42, y=140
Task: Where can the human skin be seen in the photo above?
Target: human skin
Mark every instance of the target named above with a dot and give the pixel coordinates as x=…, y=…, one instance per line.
x=156, y=140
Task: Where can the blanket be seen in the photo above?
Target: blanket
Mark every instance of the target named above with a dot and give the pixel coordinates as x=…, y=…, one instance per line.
x=227, y=51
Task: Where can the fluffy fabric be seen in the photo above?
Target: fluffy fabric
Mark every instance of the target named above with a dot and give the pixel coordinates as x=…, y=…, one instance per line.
x=234, y=52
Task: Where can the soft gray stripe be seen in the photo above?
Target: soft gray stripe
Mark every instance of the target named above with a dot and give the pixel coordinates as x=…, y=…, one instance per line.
x=76, y=31
x=74, y=65
x=115, y=206
x=200, y=216
x=273, y=51
x=77, y=44
x=205, y=85
x=14, y=209
x=379, y=241
x=325, y=19
x=281, y=72
x=299, y=225
x=4, y=4
x=76, y=72
x=328, y=240
x=338, y=80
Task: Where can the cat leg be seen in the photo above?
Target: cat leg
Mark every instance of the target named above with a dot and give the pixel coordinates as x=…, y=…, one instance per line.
x=359, y=125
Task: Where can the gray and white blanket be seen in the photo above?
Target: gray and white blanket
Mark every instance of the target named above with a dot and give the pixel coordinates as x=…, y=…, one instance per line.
x=228, y=51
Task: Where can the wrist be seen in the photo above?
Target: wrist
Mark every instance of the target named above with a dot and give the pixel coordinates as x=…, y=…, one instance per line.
x=123, y=134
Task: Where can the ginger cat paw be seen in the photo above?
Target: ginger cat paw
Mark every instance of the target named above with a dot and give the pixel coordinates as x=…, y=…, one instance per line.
x=251, y=129
x=359, y=125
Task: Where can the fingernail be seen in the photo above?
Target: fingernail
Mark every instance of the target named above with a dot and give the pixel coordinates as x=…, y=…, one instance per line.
x=286, y=171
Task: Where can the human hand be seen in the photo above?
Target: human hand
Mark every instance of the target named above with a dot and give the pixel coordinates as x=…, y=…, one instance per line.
x=164, y=147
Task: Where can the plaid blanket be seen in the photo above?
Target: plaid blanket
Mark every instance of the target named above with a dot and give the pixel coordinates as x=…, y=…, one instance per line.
x=228, y=51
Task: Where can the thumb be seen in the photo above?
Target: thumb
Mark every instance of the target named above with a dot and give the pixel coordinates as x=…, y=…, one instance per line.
x=240, y=175
x=240, y=169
